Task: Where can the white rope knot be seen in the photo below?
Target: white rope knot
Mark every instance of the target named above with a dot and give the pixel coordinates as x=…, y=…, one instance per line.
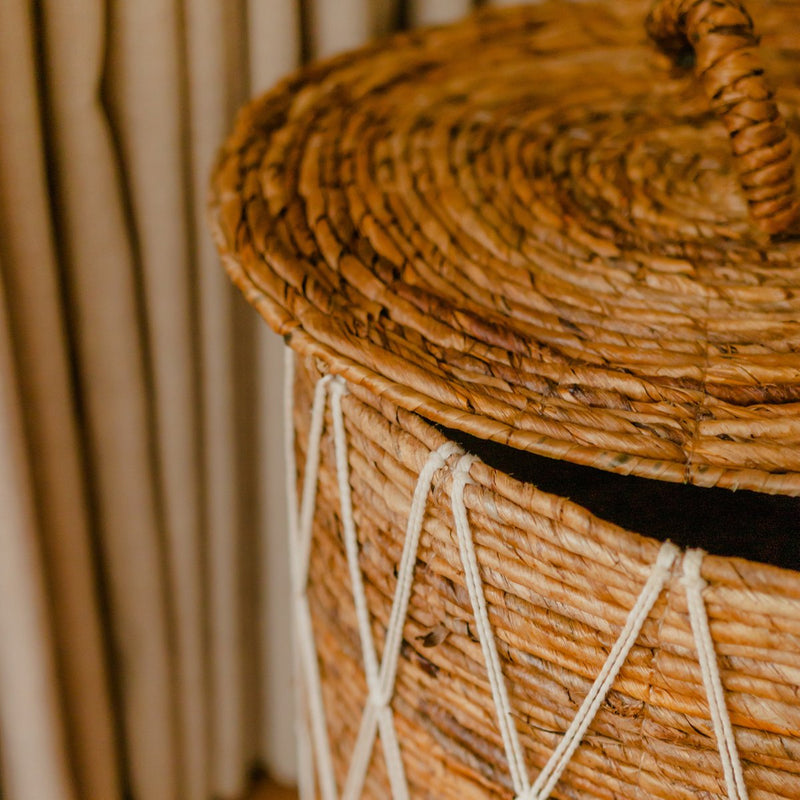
x=462, y=467
x=339, y=384
x=438, y=458
x=666, y=557
x=692, y=564
x=381, y=699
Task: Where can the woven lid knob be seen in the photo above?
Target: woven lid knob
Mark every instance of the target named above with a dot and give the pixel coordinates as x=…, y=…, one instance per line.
x=722, y=35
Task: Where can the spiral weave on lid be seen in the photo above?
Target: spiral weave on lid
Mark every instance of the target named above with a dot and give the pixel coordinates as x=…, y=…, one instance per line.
x=528, y=227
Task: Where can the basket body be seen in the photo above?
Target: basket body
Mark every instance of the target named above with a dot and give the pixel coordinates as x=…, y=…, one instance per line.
x=535, y=230
x=558, y=584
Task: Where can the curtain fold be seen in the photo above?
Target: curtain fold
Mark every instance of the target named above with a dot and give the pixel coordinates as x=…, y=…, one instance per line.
x=145, y=649
x=105, y=312
x=438, y=12
x=28, y=694
x=338, y=25
x=217, y=82
x=145, y=91
x=38, y=336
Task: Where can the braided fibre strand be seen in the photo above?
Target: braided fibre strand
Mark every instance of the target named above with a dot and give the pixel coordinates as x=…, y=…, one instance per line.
x=723, y=37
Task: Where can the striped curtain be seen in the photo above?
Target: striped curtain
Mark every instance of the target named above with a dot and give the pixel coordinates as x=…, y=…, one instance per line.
x=143, y=607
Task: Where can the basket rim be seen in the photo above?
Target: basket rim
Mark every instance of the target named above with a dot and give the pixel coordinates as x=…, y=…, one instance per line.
x=280, y=283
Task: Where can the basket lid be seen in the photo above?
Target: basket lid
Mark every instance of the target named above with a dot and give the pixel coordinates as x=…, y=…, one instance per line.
x=531, y=227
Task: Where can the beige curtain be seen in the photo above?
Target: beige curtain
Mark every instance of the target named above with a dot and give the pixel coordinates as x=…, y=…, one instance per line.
x=143, y=624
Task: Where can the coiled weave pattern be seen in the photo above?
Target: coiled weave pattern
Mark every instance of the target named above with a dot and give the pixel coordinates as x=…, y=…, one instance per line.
x=558, y=585
x=535, y=229
x=530, y=227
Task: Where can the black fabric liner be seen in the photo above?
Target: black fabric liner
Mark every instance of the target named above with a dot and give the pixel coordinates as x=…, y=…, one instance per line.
x=758, y=527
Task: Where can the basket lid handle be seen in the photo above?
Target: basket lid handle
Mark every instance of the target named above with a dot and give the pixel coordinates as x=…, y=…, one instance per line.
x=727, y=62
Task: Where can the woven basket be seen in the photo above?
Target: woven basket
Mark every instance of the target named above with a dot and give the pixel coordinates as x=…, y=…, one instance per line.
x=543, y=278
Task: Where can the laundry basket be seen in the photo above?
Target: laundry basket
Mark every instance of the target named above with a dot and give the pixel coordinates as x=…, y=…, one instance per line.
x=539, y=278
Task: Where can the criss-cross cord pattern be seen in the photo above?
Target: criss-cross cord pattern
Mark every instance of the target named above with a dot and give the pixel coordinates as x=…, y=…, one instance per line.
x=300, y=524
x=508, y=728
x=723, y=730
x=377, y=710
x=378, y=713
x=549, y=776
x=305, y=765
x=378, y=716
x=380, y=678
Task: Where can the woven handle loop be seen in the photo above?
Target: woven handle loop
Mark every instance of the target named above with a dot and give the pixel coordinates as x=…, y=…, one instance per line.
x=722, y=36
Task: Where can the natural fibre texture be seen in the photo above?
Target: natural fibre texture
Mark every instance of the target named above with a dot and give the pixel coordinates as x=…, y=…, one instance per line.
x=559, y=584
x=723, y=39
x=530, y=227
x=536, y=233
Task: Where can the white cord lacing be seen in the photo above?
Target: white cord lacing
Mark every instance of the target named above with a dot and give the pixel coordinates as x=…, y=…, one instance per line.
x=508, y=728
x=549, y=776
x=378, y=717
x=299, y=551
x=305, y=765
x=723, y=730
